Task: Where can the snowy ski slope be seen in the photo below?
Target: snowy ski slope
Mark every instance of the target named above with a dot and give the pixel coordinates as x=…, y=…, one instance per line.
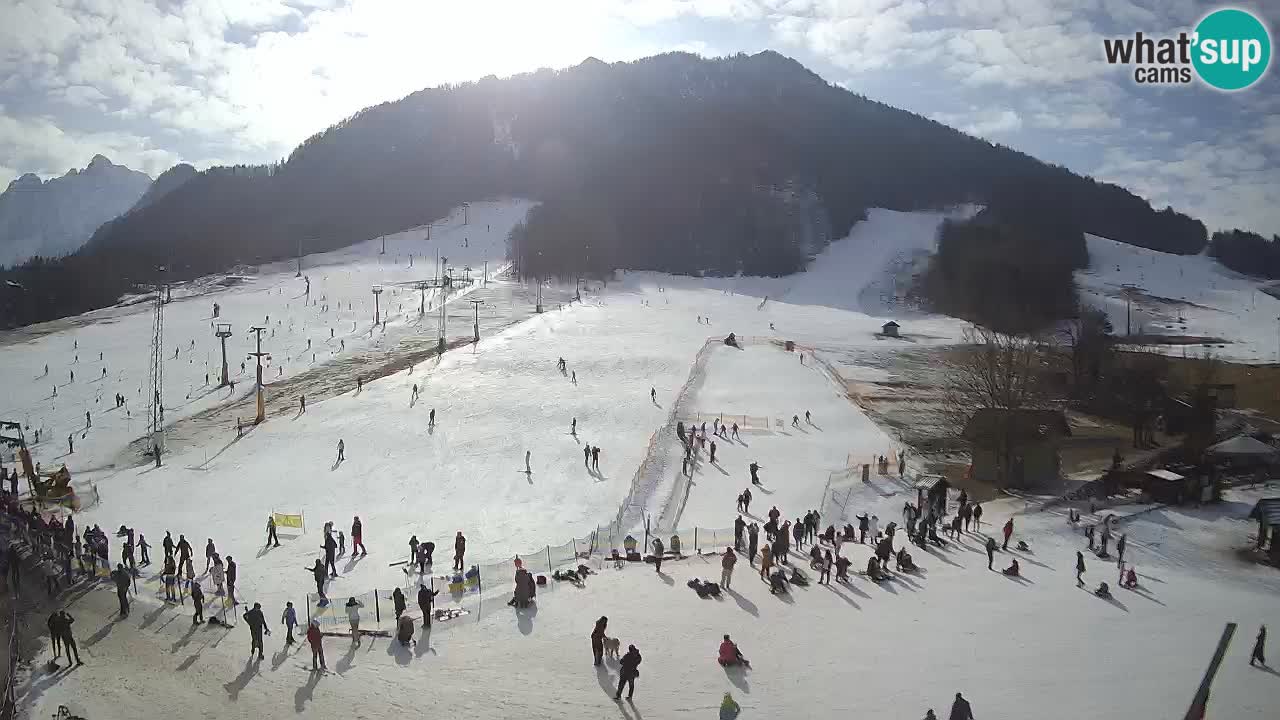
x=1038, y=646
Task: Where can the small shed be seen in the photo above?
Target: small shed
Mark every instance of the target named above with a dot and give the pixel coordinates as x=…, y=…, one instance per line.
x=890, y=329
x=1164, y=486
x=1015, y=448
x=931, y=494
x=1267, y=513
x=1241, y=446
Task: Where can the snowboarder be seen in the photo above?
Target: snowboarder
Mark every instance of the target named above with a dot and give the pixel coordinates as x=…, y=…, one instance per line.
x=425, y=599
x=960, y=709
x=630, y=664
x=257, y=625
x=726, y=567
x=1008, y=533
x=289, y=618
x=353, y=616
x=272, y=540
x=316, y=639
x=459, y=550
x=357, y=537
x=991, y=551
x=1257, y=655
x=341, y=446
x=597, y=639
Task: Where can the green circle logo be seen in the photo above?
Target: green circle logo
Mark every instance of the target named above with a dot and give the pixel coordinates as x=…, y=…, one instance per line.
x=1232, y=49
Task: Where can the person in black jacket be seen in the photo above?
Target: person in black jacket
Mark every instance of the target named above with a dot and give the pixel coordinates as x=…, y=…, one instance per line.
x=167, y=543
x=197, y=600
x=991, y=551
x=960, y=709
x=330, y=550
x=630, y=671
x=232, y=572
x=459, y=550
x=122, y=578
x=597, y=639
x=318, y=572
x=257, y=625
x=184, y=554
x=397, y=597
x=68, y=640
x=425, y=599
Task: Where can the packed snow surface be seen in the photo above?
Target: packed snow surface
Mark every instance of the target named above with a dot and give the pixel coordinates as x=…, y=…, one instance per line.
x=1035, y=646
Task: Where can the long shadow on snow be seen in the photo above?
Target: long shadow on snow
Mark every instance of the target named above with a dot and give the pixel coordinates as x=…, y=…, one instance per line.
x=743, y=602
x=241, y=681
x=304, y=693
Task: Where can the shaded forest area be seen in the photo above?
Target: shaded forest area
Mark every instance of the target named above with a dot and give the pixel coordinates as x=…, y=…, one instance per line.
x=677, y=163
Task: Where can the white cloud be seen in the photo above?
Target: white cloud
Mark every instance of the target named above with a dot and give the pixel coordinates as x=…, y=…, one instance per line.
x=38, y=145
x=982, y=123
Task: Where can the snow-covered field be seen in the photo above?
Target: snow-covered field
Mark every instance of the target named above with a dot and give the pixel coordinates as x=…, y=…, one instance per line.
x=1181, y=295
x=1037, y=647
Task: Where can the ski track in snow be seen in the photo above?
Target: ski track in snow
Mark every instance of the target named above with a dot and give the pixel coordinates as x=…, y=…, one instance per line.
x=1015, y=648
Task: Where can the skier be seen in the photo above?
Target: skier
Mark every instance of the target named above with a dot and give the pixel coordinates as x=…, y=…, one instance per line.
x=272, y=540
x=122, y=578
x=425, y=599
x=586, y=456
x=431, y=418
x=630, y=664
x=1008, y=532
x=713, y=452
x=575, y=377
x=88, y=421
x=318, y=572
x=653, y=395
x=142, y=546
x=684, y=467
x=991, y=551
x=726, y=567
x=341, y=447
x=257, y=625
x=357, y=537
x=573, y=427
x=527, y=469
x=289, y=618
x=353, y=616
x=1257, y=655
x=1120, y=545
x=459, y=550
x=746, y=501
x=960, y=709
x=753, y=540
x=330, y=547
x=795, y=421
x=232, y=572
x=302, y=403
x=71, y=448
x=595, y=457
x=754, y=467
x=597, y=639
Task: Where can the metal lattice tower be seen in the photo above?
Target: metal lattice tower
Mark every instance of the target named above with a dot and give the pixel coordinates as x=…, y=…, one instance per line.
x=155, y=376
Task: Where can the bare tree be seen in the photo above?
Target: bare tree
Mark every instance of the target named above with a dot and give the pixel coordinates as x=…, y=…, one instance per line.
x=996, y=371
x=1088, y=341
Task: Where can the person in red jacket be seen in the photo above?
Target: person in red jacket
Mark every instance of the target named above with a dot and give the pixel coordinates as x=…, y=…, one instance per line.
x=317, y=648
x=730, y=654
x=1008, y=533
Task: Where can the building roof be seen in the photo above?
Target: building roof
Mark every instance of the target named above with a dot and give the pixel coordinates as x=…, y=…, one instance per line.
x=1166, y=475
x=988, y=426
x=1267, y=509
x=929, y=482
x=1241, y=446
x=891, y=323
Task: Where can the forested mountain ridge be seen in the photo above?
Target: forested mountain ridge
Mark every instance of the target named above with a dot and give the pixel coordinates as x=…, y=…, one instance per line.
x=740, y=164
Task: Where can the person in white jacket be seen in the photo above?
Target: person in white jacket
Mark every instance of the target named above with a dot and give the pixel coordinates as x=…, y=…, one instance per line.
x=353, y=614
x=219, y=574
x=875, y=526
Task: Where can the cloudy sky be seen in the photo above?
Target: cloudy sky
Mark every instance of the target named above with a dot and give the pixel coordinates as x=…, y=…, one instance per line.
x=153, y=82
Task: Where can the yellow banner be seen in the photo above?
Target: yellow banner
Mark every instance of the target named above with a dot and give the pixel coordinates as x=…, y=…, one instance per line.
x=285, y=520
